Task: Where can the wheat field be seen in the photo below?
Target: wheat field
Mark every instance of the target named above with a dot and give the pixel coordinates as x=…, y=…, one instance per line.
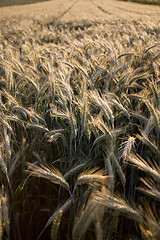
x=80, y=121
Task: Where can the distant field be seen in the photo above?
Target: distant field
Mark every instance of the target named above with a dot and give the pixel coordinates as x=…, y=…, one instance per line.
x=5, y=3
x=152, y=2
x=73, y=10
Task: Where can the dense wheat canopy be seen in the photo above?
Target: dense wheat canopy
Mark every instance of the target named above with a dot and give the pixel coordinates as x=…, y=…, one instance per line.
x=80, y=120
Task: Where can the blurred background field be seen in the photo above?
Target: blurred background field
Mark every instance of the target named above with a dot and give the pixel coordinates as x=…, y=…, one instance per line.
x=5, y=3
x=151, y=2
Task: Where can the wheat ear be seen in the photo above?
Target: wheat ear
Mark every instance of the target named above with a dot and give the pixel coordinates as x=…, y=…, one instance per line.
x=51, y=174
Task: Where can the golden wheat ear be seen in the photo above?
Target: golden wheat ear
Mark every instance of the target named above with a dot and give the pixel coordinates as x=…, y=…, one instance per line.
x=92, y=177
x=150, y=188
x=148, y=168
x=127, y=146
x=52, y=174
x=117, y=203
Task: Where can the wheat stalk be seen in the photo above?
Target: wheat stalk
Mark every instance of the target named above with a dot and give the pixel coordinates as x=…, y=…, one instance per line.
x=144, y=138
x=1, y=220
x=74, y=170
x=84, y=221
x=5, y=212
x=58, y=213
